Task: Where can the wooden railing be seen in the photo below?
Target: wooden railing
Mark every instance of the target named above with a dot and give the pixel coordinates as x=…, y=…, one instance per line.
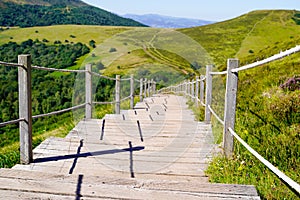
x=147, y=88
x=192, y=89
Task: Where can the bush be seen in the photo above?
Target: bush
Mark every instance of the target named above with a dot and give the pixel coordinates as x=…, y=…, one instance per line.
x=285, y=107
x=291, y=84
x=112, y=50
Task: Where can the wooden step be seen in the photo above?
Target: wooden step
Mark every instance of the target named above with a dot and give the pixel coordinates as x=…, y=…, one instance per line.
x=16, y=184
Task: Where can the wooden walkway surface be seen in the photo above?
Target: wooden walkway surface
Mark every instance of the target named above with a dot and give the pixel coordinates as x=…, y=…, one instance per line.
x=155, y=151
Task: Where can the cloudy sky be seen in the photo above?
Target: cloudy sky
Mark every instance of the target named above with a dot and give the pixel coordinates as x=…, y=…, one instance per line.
x=214, y=10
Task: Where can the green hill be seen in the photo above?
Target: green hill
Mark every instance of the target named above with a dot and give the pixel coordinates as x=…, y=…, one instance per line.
x=254, y=35
x=29, y=13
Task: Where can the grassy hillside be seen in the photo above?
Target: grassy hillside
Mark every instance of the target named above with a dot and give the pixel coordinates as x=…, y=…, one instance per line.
x=31, y=13
x=268, y=98
x=63, y=33
x=247, y=35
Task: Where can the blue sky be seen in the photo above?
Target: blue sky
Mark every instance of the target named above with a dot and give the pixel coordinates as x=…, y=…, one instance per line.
x=215, y=10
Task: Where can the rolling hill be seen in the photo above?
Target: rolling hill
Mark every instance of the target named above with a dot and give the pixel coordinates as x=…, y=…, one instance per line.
x=250, y=37
x=29, y=13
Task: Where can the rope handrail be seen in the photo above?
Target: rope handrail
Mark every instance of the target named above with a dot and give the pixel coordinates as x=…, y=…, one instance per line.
x=203, y=104
x=274, y=169
x=58, y=112
x=270, y=59
x=203, y=79
x=124, y=99
x=60, y=70
x=216, y=116
x=125, y=79
x=104, y=103
x=7, y=64
x=218, y=73
x=199, y=100
x=102, y=76
x=11, y=122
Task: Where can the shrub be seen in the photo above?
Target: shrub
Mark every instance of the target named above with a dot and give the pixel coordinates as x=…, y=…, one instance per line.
x=112, y=50
x=291, y=84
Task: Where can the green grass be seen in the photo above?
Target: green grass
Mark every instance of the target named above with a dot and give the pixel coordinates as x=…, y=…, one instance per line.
x=10, y=155
x=82, y=33
x=253, y=31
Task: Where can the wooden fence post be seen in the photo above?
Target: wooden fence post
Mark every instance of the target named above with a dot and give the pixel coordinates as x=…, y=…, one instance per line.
x=148, y=89
x=141, y=89
x=188, y=88
x=88, y=91
x=197, y=91
x=202, y=88
x=118, y=91
x=25, y=109
x=145, y=88
x=131, y=91
x=208, y=93
x=154, y=87
x=230, y=106
x=193, y=89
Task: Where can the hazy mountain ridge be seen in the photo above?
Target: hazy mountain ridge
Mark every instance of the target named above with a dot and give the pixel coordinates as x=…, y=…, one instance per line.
x=161, y=21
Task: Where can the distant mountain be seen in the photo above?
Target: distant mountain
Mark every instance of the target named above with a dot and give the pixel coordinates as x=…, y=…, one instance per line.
x=161, y=21
x=28, y=13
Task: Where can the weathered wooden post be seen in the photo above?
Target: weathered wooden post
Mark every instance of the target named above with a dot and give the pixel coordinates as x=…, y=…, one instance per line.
x=25, y=108
x=154, y=87
x=193, y=89
x=188, y=88
x=230, y=106
x=88, y=91
x=151, y=88
x=208, y=93
x=131, y=91
x=202, y=88
x=145, y=88
x=197, y=91
x=141, y=89
x=148, y=89
x=118, y=91
x=185, y=88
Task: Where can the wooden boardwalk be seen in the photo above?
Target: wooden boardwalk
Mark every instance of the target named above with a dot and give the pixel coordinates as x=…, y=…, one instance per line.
x=155, y=151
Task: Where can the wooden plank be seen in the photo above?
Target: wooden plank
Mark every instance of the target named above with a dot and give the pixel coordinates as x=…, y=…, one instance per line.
x=92, y=186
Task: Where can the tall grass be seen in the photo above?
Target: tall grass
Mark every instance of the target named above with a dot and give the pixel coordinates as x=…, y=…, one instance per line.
x=267, y=119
